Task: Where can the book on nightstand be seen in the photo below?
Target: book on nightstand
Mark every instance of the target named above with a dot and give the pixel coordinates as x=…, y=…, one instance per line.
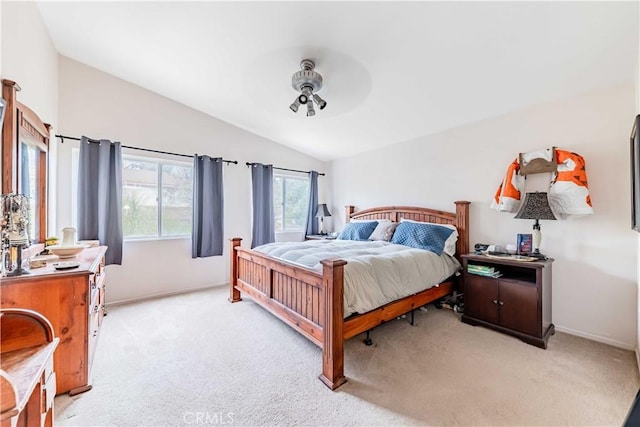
x=525, y=243
x=483, y=270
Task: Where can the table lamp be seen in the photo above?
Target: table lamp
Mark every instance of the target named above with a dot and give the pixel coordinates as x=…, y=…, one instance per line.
x=536, y=206
x=321, y=212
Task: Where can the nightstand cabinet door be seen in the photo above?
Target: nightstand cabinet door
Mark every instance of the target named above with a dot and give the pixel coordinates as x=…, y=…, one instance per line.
x=483, y=304
x=519, y=307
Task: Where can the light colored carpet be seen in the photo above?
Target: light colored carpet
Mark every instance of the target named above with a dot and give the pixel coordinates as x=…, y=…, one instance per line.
x=196, y=359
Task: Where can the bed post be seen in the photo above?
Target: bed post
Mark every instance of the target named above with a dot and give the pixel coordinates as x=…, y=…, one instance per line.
x=333, y=328
x=348, y=210
x=462, y=223
x=234, y=294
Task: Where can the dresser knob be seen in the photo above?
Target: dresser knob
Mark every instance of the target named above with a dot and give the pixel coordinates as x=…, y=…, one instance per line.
x=495, y=301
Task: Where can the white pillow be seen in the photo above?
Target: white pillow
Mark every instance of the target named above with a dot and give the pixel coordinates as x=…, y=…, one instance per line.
x=369, y=220
x=450, y=244
x=382, y=230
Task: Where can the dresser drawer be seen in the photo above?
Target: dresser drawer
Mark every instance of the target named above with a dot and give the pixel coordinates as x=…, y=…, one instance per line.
x=96, y=287
x=94, y=332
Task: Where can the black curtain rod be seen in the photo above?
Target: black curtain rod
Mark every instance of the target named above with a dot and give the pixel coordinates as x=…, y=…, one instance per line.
x=285, y=169
x=63, y=137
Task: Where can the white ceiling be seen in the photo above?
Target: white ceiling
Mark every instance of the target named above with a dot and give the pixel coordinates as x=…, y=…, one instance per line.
x=392, y=71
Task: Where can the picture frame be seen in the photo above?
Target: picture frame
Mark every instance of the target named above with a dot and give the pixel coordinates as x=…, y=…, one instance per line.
x=635, y=174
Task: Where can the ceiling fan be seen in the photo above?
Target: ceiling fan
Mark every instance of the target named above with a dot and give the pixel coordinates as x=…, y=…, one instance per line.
x=307, y=82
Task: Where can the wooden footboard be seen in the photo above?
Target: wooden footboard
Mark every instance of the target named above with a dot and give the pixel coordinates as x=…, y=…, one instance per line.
x=312, y=303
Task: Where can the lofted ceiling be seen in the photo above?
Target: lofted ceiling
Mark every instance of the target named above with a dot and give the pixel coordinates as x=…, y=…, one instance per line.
x=393, y=71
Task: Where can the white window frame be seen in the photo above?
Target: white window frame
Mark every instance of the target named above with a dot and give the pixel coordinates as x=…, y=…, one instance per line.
x=284, y=175
x=160, y=162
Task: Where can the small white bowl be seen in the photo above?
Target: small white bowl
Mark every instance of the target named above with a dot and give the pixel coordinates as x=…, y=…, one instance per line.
x=66, y=251
x=89, y=243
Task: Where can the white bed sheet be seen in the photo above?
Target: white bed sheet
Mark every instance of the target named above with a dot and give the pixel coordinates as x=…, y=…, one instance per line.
x=376, y=272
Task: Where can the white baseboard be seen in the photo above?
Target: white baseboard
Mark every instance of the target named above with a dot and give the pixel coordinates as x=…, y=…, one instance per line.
x=164, y=294
x=638, y=358
x=598, y=338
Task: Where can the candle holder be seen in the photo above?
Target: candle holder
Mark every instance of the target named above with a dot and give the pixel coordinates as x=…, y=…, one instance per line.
x=14, y=232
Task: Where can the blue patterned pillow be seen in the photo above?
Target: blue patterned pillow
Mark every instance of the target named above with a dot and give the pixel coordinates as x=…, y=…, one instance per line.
x=358, y=230
x=422, y=235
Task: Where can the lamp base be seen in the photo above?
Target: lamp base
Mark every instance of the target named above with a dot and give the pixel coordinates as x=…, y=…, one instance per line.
x=537, y=255
x=18, y=272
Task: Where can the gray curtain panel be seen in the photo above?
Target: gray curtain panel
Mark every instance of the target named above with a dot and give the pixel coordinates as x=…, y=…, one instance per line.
x=100, y=195
x=311, y=226
x=262, y=192
x=208, y=205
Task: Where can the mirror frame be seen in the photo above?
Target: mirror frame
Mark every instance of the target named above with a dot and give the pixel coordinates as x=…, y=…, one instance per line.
x=21, y=124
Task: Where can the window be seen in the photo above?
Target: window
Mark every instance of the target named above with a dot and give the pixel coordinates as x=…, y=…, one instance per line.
x=290, y=202
x=156, y=197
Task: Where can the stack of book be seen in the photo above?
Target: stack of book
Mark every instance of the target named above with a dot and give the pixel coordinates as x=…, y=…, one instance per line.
x=483, y=270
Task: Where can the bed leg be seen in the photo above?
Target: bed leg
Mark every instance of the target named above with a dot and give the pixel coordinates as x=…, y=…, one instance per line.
x=368, y=340
x=234, y=293
x=411, y=322
x=333, y=328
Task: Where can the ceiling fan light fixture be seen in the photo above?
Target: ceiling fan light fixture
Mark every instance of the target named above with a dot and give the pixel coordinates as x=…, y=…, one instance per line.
x=307, y=82
x=310, y=110
x=321, y=103
x=296, y=104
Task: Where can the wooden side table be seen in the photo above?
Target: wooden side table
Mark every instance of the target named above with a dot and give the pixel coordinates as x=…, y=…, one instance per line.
x=517, y=303
x=27, y=379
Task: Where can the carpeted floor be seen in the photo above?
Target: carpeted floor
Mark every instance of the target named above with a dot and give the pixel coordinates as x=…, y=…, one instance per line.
x=196, y=359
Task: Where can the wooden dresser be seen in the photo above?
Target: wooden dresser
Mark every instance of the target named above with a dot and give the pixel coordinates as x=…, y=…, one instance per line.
x=73, y=301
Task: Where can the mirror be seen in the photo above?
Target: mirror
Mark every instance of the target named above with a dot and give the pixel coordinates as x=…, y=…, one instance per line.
x=27, y=185
x=25, y=146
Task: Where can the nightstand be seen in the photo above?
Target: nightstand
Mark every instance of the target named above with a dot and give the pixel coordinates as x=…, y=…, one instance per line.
x=517, y=303
x=318, y=237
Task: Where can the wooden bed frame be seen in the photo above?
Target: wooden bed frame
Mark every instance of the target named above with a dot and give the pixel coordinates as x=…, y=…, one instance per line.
x=312, y=302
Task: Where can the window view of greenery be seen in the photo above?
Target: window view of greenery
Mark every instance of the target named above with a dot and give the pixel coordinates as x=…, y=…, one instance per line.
x=290, y=200
x=177, y=183
x=156, y=198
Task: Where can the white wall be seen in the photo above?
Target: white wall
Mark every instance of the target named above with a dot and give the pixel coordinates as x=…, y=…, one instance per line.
x=29, y=58
x=594, y=274
x=99, y=105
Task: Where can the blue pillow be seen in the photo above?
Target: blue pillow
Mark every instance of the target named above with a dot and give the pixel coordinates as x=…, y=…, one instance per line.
x=422, y=235
x=358, y=230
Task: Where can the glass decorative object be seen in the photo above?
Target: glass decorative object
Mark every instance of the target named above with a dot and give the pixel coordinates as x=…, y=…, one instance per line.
x=14, y=232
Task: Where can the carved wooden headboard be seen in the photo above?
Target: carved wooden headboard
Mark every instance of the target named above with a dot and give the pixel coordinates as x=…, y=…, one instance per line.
x=394, y=213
